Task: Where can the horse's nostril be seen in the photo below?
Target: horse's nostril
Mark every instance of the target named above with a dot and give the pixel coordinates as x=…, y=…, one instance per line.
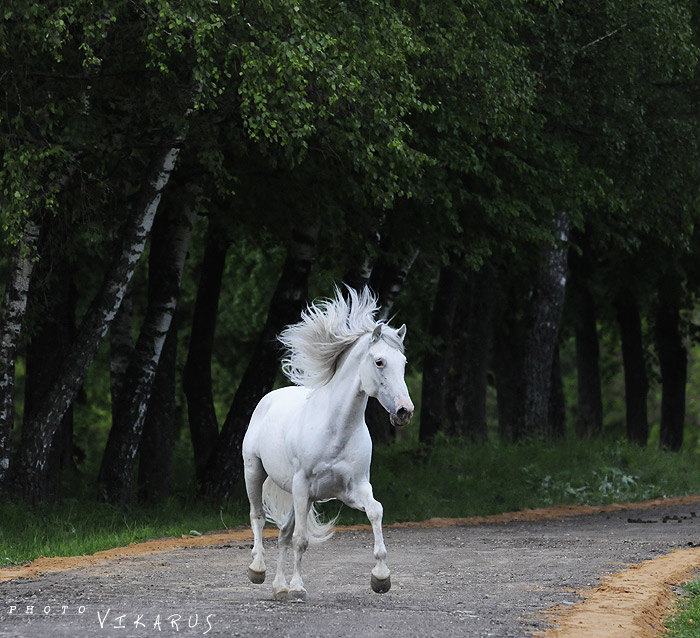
x=402, y=413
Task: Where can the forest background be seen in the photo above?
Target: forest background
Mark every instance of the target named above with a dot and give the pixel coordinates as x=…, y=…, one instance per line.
x=516, y=180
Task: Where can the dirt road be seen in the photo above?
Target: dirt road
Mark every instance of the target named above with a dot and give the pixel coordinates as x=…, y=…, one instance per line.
x=501, y=577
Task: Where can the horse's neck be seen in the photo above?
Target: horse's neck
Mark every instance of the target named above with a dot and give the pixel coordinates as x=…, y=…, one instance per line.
x=343, y=393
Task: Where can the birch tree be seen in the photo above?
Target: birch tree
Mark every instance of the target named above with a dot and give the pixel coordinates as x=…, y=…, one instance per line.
x=14, y=305
x=38, y=432
x=118, y=461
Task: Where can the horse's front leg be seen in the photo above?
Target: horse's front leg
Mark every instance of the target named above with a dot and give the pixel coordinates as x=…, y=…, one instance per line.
x=380, y=581
x=300, y=538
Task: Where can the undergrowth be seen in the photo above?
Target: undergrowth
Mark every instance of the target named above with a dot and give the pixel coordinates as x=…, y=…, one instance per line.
x=456, y=478
x=453, y=478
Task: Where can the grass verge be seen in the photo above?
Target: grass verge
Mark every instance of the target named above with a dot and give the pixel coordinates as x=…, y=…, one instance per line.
x=454, y=478
x=685, y=623
x=82, y=526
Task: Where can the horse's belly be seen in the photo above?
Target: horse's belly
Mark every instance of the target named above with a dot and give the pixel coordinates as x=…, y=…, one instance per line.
x=335, y=479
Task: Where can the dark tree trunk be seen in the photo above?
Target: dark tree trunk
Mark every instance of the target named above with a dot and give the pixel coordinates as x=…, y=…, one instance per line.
x=525, y=342
x=360, y=275
x=32, y=461
x=636, y=383
x=160, y=427
x=557, y=401
x=436, y=361
x=197, y=381
x=673, y=361
x=118, y=460
x=508, y=346
x=541, y=340
x=14, y=306
x=387, y=280
x=470, y=352
x=589, y=418
x=121, y=346
x=287, y=302
x=52, y=335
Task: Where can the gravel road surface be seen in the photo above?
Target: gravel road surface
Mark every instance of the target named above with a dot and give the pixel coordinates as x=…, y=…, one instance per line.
x=472, y=580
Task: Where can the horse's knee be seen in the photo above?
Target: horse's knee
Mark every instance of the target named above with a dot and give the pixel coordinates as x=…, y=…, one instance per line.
x=256, y=511
x=374, y=510
x=300, y=542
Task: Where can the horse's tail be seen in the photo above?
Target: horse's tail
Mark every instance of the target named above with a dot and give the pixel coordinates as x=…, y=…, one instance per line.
x=277, y=505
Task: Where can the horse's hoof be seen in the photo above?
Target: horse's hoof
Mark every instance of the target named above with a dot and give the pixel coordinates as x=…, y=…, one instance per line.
x=256, y=577
x=297, y=595
x=281, y=594
x=381, y=586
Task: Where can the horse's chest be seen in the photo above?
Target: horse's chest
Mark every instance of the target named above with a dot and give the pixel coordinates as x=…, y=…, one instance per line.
x=330, y=480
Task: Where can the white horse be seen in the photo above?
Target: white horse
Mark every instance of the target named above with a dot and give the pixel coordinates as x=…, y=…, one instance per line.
x=309, y=442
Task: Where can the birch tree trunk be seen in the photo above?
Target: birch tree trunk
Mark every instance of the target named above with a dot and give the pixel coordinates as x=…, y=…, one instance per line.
x=119, y=458
x=14, y=307
x=196, y=380
x=121, y=345
x=53, y=327
x=39, y=430
x=161, y=425
x=287, y=302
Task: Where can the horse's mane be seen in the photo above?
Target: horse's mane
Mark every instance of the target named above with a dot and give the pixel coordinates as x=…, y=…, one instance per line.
x=327, y=328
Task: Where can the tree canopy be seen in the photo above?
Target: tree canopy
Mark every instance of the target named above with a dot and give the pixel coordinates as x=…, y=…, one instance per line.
x=315, y=141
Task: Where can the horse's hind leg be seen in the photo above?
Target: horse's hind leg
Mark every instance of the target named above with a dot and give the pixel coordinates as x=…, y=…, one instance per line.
x=280, y=588
x=380, y=581
x=255, y=476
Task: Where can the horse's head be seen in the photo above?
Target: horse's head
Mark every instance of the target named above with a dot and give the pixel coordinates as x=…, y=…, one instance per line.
x=382, y=373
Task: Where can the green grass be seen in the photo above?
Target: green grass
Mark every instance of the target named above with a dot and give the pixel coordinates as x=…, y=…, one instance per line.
x=458, y=479
x=685, y=623
x=453, y=479
x=75, y=527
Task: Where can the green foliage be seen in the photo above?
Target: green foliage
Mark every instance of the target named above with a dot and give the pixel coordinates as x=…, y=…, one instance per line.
x=469, y=125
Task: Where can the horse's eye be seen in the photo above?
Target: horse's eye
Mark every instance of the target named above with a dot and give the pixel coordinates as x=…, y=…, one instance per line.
x=380, y=363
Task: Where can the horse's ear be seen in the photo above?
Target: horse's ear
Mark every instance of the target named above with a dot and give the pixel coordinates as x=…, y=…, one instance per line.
x=401, y=332
x=376, y=333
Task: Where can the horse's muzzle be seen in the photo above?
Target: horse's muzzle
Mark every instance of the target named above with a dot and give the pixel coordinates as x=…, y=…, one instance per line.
x=401, y=418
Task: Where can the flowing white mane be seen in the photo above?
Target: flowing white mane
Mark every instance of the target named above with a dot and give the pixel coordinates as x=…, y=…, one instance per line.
x=327, y=328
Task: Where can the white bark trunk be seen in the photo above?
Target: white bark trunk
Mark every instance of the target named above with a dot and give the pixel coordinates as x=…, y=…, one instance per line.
x=125, y=436
x=39, y=430
x=11, y=319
